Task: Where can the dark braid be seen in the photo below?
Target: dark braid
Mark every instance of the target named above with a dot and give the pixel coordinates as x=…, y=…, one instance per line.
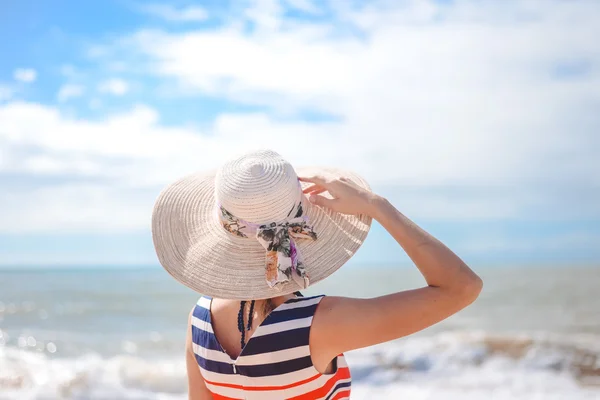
x=250, y=315
x=241, y=327
x=241, y=323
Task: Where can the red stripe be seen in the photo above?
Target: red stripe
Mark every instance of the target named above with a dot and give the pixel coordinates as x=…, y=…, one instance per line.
x=266, y=388
x=219, y=397
x=342, y=373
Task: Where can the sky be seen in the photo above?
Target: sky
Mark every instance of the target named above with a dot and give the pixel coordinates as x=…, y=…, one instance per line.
x=477, y=119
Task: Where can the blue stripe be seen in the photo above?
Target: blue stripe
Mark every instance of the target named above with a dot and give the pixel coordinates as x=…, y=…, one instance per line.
x=201, y=313
x=205, y=339
x=277, y=368
x=291, y=314
x=214, y=366
x=261, y=344
x=277, y=341
x=338, y=386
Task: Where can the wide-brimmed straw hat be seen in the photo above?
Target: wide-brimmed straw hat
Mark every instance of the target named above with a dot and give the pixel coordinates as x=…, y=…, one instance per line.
x=246, y=231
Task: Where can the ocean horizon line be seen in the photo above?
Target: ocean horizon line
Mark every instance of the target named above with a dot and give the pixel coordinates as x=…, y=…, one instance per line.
x=131, y=267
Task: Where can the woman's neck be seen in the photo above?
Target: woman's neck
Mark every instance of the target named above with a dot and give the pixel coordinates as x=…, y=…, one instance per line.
x=268, y=305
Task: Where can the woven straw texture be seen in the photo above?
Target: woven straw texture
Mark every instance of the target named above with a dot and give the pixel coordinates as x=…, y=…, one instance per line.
x=260, y=187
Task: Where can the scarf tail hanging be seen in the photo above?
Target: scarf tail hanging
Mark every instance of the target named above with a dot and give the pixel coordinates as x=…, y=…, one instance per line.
x=283, y=261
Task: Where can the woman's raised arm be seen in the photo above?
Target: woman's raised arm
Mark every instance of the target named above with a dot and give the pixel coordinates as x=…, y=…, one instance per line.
x=342, y=324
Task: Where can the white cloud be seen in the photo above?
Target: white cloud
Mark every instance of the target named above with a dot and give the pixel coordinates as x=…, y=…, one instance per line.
x=455, y=112
x=76, y=208
x=307, y=6
x=173, y=14
x=114, y=86
x=27, y=75
x=264, y=14
x=136, y=136
x=70, y=91
x=134, y=156
x=6, y=92
x=444, y=97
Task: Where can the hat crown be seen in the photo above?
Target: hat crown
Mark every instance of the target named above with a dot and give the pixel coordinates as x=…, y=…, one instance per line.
x=258, y=187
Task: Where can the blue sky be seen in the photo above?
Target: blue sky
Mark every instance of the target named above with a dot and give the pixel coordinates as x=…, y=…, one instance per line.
x=477, y=119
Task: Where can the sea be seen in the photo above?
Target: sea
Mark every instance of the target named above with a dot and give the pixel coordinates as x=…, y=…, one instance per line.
x=118, y=333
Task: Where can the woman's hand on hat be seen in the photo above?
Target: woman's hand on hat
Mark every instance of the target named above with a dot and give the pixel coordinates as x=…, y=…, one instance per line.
x=348, y=198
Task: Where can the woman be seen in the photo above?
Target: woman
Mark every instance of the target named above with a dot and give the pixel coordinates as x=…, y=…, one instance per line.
x=249, y=237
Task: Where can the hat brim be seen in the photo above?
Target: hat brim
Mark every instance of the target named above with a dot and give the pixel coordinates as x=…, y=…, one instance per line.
x=194, y=248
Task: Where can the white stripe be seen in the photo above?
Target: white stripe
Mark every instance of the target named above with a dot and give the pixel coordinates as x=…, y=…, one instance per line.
x=260, y=395
x=294, y=391
x=210, y=354
x=203, y=325
x=268, y=394
x=341, y=362
x=274, y=356
x=302, y=389
x=204, y=303
x=332, y=394
x=282, y=326
x=230, y=379
x=273, y=380
x=298, y=304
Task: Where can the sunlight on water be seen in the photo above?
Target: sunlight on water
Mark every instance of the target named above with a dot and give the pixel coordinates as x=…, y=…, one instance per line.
x=534, y=333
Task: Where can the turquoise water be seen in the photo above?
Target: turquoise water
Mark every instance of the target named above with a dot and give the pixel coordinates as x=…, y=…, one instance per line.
x=119, y=327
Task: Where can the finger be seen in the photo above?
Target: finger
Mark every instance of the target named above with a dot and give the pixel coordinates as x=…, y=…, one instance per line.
x=323, y=201
x=311, y=188
x=317, y=180
x=318, y=191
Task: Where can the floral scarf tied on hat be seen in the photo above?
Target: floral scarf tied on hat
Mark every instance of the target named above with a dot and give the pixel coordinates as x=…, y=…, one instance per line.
x=283, y=261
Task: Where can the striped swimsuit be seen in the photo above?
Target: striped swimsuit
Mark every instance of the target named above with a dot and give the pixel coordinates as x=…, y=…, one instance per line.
x=275, y=363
